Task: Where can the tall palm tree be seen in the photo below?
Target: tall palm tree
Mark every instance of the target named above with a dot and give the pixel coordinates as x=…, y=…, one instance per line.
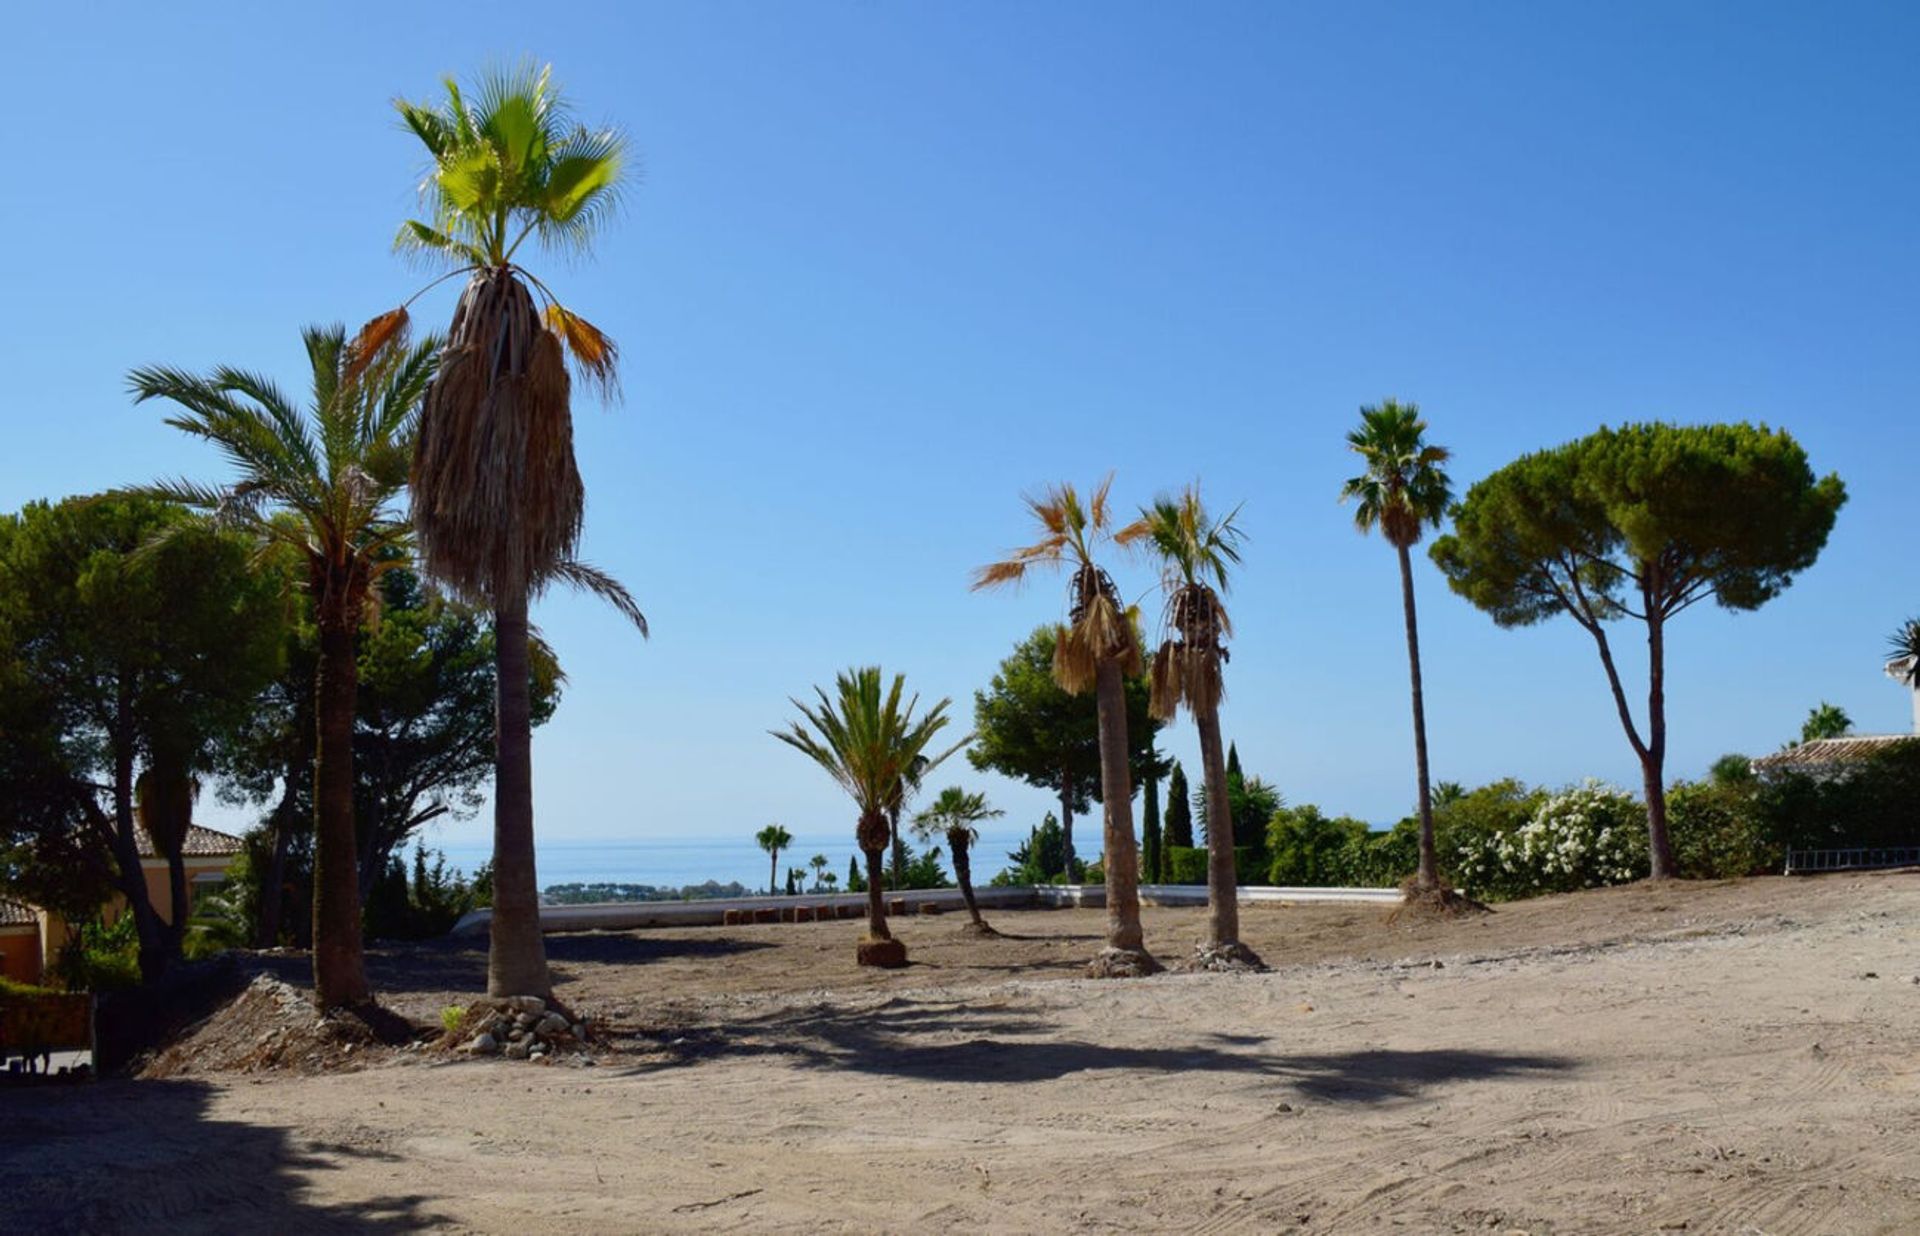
x=957, y=814
x=321, y=483
x=1403, y=491
x=867, y=739
x=773, y=839
x=497, y=499
x=1194, y=548
x=1095, y=649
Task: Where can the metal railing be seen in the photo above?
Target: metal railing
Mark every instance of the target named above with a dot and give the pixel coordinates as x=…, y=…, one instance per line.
x=1866, y=858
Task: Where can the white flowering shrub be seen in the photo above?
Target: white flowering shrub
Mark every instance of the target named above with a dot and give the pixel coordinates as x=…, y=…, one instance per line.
x=1590, y=835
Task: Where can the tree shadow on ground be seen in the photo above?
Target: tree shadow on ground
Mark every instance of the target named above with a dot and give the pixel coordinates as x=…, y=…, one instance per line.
x=1002, y=1044
x=459, y=963
x=148, y=1155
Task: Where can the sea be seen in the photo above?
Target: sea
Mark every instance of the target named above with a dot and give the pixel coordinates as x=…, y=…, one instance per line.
x=674, y=864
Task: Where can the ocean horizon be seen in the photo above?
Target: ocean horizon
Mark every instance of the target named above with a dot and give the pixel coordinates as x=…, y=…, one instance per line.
x=674, y=864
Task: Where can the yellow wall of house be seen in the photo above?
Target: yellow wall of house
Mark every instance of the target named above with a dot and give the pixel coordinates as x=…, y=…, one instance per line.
x=20, y=953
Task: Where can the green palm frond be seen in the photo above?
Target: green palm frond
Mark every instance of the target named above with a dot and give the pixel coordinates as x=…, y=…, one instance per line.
x=865, y=735
x=1405, y=488
x=955, y=811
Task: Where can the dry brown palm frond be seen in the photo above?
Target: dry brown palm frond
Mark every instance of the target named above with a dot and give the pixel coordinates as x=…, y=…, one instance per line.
x=1011, y=571
x=1163, y=682
x=597, y=356
x=1075, y=664
x=497, y=497
x=390, y=328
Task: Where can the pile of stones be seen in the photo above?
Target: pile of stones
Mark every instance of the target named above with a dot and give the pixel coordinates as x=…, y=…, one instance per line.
x=520, y=1028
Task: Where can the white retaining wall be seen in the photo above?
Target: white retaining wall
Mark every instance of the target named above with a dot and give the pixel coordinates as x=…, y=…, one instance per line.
x=623, y=915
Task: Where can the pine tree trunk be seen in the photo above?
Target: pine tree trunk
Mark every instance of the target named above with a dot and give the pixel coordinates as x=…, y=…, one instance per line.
x=1653, y=761
x=1122, y=858
x=517, y=958
x=1066, y=825
x=1429, y=876
x=1223, y=893
x=273, y=886
x=339, y=964
x=154, y=955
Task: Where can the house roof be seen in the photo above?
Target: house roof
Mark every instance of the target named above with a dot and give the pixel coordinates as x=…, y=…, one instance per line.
x=200, y=843
x=1828, y=754
x=17, y=914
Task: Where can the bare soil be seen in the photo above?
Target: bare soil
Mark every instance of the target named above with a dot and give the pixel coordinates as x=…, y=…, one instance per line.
x=1730, y=1057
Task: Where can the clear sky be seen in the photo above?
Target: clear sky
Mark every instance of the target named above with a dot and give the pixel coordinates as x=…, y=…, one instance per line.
x=890, y=264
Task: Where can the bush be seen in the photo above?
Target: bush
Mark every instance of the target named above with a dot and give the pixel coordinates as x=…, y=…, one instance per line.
x=427, y=905
x=100, y=957
x=1186, y=865
x=1382, y=860
x=1584, y=837
x=1718, y=832
x=1307, y=849
x=12, y=987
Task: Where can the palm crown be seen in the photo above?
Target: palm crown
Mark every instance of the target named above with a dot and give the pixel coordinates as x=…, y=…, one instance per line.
x=1904, y=644
x=1193, y=548
x=866, y=737
x=322, y=480
x=1098, y=627
x=955, y=811
x=1404, y=487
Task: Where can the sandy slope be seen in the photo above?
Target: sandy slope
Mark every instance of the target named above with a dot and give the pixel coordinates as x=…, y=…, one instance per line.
x=1734, y=1072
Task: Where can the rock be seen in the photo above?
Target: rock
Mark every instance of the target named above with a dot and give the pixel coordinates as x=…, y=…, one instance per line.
x=483, y=1045
x=1914, y=979
x=517, y=1051
x=525, y=1004
x=550, y=1025
x=1438, y=964
x=1870, y=974
x=1284, y=1107
x=580, y=1031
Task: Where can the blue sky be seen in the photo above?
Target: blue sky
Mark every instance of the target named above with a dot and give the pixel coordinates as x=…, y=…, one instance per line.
x=888, y=265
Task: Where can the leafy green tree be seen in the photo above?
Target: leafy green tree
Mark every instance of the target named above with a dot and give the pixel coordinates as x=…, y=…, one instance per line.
x=1250, y=800
x=866, y=738
x=1096, y=650
x=1041, y=858
x=773, y=839
x=957, y=815
x=1641, y=522
x=1196, y=552
x=1179, y=829
x=1403, y=491
x=1825, y=721
x=498, y=506
x=128, y=633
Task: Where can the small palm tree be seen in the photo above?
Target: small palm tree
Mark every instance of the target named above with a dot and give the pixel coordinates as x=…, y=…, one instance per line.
x=957, y=815
x=1095, y=649
x=1194, y=548
x=867, y=738
x=773, y=839
x=819, y=864
x=322, y=483
x=1403, y=491
x=498, y=504
x=1826, y=721
x=1904, y=644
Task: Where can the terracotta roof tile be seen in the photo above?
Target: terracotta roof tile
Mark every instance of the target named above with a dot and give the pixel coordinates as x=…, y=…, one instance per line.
x=201, y=843
x=1826, y=754
x=17, y=914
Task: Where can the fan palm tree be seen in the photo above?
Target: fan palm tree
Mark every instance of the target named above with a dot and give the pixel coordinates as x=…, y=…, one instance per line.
x=773, y=839
x=1095, y=649
x=1904, y=645
x=321, y=483
x=1193, y=549
x=1403, y=491
x=819, y=864
x=957, y=815
x=497, y=498
x=867, y=738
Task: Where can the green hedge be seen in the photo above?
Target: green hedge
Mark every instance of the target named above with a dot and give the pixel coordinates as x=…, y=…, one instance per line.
x=1188, y=864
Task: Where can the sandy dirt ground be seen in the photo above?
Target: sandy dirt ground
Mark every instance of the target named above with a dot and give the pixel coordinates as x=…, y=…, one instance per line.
x=1740, y=1058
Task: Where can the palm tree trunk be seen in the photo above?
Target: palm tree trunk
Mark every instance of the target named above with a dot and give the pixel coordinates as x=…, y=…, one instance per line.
x=958, y=841
x=1122, y=858
x=1429, y=877
x=517, y=957
x=876, y=897
x=897, y=848
x=773, y=870
x=1223, y=894
x=339, y=963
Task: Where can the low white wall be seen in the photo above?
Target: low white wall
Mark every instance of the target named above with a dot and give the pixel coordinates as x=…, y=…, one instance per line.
x=625, y=915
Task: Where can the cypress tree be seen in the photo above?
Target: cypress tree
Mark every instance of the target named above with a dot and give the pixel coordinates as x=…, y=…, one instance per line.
x=1179, y=823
